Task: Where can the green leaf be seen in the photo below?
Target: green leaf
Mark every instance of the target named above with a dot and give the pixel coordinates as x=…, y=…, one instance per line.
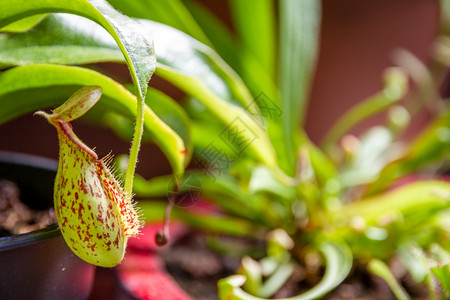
x=240, y=129
x=256, y=77
x=338, y=264
x=170, y=112
x=137, y=48
x=206, y=77
x=28, y=88
x=59, y=39
x=23, y=24
x=299, y=32
x=222, y=40
x=169, y=12
x=153, y=211
x=394, y=90
x=380, y=269
x=262, y=180
x=373, y=154
x=277, y=280
x=256, y=30
x=416, y=202
x=441, y=269
x=432, y=146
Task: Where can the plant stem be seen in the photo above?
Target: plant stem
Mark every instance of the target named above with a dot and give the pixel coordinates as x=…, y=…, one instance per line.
x=135, y=145
x=379, y=268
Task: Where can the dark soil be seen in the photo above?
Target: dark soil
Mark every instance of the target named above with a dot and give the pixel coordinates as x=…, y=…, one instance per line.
x=197, y=268
x=15, y=216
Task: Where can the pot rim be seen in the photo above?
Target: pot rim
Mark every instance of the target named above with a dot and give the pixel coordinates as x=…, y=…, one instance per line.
x=31, y=160
x=25, y=239
x=35, y=236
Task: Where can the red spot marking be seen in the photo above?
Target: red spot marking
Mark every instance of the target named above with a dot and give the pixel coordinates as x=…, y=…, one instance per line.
x=116, y=241
x=80, y=213
x=64, y=222
x=76, y=195
x=108, y=244
x=84, y=188
x=73, y=207
x=92, y=191
x=99, y=218
x=99, y=236
x=183, y=151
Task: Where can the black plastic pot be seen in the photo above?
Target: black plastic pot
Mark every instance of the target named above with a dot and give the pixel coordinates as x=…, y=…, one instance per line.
x=38, y=265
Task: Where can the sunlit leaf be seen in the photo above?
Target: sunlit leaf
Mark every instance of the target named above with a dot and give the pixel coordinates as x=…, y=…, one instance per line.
x=23, y=24
x=28, y=88
x=169, y=12
x=299, y=37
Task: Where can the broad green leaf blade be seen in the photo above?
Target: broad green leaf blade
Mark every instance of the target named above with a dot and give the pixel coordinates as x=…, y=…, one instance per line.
x=169, y=111
x=19, y=89
x=254, y=22
x=23, y=24
x=415, y=202
x=226, y=45
x=222, y=40
x=240, y=129
x=338, y=264
x=60, y=39
x=163, y=106
x=184, y=54
x=135, y=44
x=174, y=50
x=169, y=12
x=299, y=37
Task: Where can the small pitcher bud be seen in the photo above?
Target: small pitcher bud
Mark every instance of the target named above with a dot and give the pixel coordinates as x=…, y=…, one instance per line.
x=94, y=214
